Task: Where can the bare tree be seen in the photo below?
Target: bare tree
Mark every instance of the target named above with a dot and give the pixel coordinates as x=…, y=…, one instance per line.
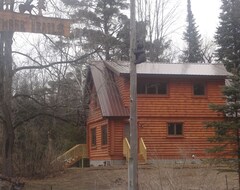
x=10, y=119
x=208, y=49
x=159, y=17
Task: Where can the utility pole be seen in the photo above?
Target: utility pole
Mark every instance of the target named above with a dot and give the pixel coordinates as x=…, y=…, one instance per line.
x=133, y=160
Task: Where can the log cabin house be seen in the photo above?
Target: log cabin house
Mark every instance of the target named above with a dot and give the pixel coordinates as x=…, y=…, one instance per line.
x=172, y=106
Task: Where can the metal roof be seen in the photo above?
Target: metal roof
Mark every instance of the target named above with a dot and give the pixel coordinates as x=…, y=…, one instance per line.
x=109, y=97
x=107, y=91
x=184, y=69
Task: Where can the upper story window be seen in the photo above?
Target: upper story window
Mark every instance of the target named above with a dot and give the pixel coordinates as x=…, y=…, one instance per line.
x=175, y=129
x=199, y=89
x=160, y=88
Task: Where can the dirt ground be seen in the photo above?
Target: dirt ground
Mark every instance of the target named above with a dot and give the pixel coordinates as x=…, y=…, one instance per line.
x=150, y=177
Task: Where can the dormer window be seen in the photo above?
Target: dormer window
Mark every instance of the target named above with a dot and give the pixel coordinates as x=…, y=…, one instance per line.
x=152, y=88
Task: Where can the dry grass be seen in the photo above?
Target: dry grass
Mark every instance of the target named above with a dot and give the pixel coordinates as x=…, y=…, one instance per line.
x=151, y=177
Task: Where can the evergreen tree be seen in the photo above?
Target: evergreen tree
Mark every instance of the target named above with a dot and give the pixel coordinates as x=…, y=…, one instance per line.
x=124, y=38
x=227, y=139
x=227, y=131
x=157, y=50
x=228, y=34
x=100, y=21
x=192, y=53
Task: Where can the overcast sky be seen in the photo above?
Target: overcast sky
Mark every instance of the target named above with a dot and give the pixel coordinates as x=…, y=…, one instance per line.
x=206, y=13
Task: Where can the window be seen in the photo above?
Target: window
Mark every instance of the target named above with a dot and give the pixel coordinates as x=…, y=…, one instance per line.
x=152, y=88
x=93, y=135
x=175, y=129
x=104, y=135
x=199, y=89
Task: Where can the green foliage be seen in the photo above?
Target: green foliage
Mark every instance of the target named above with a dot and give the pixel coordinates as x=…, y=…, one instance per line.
x=124, y=38
x=192, y=53
x=103, y=25
x=156, y=50
x=100, y=21
x=228, y=34
x=226, y=141
x=228, y=52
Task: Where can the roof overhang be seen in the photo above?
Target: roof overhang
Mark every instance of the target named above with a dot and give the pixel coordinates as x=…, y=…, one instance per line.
x=171, y=69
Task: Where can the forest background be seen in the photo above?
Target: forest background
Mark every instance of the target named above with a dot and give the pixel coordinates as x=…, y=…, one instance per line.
x=44, y=99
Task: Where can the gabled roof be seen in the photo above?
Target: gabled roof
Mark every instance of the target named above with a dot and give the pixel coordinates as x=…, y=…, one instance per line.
x=180, y=69
x=108, y=95
x=107, y=91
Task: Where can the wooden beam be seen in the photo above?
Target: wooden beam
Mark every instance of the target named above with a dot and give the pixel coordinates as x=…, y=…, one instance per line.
x=18, y=22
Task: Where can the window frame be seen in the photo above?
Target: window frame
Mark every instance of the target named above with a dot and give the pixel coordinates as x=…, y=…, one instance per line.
x=144, y=88
x=203, y=84
x=175, y=133
x=104, y=135
x=93, y=137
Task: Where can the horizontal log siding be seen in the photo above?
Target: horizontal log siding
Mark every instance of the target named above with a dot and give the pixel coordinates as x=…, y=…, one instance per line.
x=161, y=146
x=180, y=100
x=98, y=152
x=94, y=115
x=112, y=151
x=154, y=112
x=95, y=120
x=117, y=125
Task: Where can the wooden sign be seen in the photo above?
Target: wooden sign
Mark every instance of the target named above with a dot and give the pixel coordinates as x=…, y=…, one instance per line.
x=19, y=22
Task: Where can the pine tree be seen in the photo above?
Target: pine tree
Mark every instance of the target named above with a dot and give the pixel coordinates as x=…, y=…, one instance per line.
x=124, y=38
x=228, y=34
x=192, y=53
x=100, y=21
x=227, y=131
x=227, y=139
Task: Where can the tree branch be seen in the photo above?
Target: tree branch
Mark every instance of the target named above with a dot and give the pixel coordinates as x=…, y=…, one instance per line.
x=51, y=64
x=17, y=124
x=29, y=97
x=55, y=45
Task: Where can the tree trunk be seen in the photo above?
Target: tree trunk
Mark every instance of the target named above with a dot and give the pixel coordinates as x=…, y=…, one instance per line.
x=6, y=101
x=7, y=150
